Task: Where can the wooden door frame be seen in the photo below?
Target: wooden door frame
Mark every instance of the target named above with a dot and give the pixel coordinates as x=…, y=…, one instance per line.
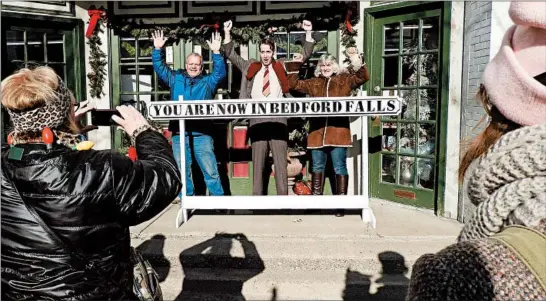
x=384, y=10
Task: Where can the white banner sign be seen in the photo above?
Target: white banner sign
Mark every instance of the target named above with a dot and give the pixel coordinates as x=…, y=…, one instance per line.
x=283, y=107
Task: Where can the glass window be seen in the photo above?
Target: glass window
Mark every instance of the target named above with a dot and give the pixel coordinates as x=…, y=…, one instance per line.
x=290, y=43
x=410, y=69
x=27, y=47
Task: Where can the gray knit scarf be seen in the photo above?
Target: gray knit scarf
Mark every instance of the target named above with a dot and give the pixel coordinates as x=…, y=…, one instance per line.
x=509, y=184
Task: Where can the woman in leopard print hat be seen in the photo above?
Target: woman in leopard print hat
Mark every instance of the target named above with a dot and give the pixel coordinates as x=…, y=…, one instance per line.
x=500, y=254
x=88, y=199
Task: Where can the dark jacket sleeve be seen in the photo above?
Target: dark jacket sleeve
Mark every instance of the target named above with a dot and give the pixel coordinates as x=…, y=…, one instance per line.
x=294, y=83
x=147, y=186
x=235, y=59
x=307, y=49
x=358, y=78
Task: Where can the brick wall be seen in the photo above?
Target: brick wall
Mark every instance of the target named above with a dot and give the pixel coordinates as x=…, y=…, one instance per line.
x=477, y=33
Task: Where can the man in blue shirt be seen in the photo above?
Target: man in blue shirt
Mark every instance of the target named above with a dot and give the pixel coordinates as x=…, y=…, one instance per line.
x=191, y=84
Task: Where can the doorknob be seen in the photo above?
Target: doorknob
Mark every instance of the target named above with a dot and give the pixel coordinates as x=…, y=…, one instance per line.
x=377, y=89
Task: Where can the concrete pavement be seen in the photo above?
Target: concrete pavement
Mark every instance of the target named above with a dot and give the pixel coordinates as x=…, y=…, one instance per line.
x=291, y=256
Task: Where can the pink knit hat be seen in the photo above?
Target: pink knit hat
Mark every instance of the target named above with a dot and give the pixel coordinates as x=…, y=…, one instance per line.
x=508, y=78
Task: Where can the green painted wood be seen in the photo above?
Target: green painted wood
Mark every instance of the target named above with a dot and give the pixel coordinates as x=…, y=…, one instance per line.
x=73, y=49
x=375, y=18
x=333, y=42
x=445, y=34
x=253, y=51
x=115, y=82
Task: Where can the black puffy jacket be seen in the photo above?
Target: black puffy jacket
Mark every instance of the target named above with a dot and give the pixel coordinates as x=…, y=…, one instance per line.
x=89, y=198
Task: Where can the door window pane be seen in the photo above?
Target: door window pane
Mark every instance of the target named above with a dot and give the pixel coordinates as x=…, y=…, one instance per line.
x=28, y=46
x=409, y=141
x=392, y=38
x=410, y=31
x=15, y=45
x=405, y=170
x=35, y=46
x=59, y=69
x=389, y=136
x=390, y=77
x=409, y=70
x=427, y=104
x=430, y=34
x=429, y=69
x=407, y=138
x=388, y=170
x=55, y=49
x=425, y=172
x=427, y=139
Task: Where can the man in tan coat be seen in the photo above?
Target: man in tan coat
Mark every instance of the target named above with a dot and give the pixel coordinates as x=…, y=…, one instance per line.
x=266, y=79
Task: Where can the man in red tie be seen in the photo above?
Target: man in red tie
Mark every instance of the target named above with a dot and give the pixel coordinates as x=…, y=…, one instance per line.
x=262, y=80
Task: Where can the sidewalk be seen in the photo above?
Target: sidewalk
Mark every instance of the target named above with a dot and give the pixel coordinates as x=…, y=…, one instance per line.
x=291, y=256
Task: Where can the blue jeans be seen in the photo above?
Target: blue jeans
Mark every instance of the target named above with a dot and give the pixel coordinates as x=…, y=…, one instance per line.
x=339, y=159
x=203, y=149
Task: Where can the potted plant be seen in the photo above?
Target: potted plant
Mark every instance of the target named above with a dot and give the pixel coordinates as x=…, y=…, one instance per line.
x=298, y=128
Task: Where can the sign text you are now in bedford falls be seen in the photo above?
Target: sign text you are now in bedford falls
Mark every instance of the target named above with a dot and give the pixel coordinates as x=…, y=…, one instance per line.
x=282, y=107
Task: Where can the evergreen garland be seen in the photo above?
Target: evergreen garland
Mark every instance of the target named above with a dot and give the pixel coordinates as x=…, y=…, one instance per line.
x=98, y=62
x=331, y=17
x=198, y=30
x=321, y=45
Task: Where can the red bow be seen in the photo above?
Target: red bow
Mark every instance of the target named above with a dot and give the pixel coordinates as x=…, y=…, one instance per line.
x=95, y=15
x=216, y=26
x=347, y=18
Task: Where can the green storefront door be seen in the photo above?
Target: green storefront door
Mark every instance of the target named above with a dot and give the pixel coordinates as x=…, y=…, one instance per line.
x=406, y=59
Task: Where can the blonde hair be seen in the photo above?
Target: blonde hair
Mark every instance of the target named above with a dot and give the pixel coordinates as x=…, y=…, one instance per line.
x=327, y=59
x=33, y=88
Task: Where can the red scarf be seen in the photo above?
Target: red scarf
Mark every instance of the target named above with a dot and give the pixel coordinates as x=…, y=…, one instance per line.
x=277, y=67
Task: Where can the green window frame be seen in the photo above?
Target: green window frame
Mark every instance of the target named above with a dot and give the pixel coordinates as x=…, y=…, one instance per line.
x=133, y=79
x=413, y=16
x=30, y=42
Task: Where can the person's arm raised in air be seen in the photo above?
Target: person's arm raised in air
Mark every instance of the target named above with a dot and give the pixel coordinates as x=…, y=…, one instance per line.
x=360, y=73
x=164, y=72
x=219, y=65
x=309, y=42
x=229, y=49
x=292, y=74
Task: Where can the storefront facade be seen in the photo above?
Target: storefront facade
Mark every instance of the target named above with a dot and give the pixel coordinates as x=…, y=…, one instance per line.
x=431, y=54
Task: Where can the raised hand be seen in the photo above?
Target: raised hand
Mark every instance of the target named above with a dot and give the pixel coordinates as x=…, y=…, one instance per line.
x=80, y=113
x=297, y=57
x=307, y=25
x=130, y=119
x=351, y=51
x=227, y=25
x=82, y=109
x=159, y=40
x=215, y=42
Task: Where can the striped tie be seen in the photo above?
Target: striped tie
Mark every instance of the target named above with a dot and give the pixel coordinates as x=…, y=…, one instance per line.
x=266, y=91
